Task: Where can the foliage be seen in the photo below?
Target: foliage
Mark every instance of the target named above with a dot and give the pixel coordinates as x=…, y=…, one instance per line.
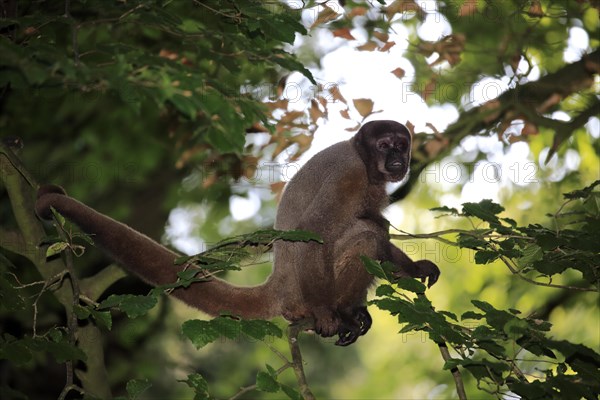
x=506, y=353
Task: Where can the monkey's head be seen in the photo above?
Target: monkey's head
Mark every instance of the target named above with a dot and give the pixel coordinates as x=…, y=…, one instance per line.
x=384, y=147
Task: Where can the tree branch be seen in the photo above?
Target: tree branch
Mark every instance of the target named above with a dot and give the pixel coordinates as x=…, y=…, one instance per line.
x=569, y=79
x=293, y=331
x=460, y=387
x=21, y=186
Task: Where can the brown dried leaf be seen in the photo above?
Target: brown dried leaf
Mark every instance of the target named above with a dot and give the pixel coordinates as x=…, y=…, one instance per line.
x=314, y=111
x=399, y=73
x=277, y=189
x=345, y=113
x=363, y=106
x=529, y=129
x=411, y=127
x=353, y=129
x=336, y=94
x=358, y=11
x=387, y=46
x=343, y=33
x=290, y=116
x=168, y=54
x=535, y=9
x=281, y=104
x=433, y=128
x=369, y=46
x=325, y=16
x=401, y=6
x=384, y=37
x=468, y=8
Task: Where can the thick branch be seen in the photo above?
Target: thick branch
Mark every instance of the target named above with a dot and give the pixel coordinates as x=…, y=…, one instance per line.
x=533, y=96
x=21, y=187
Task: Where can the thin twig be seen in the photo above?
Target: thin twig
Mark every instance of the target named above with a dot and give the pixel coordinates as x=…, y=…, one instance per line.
x=68, y=389
x=71, y=316
x=460, y=388
x=293, y=331
x=512, y=269
x=47, y=285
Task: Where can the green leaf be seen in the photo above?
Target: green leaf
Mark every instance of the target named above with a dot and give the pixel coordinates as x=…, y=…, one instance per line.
x=200, y=332
x=471, y=315
x=103, y=319
x=185, y=105
x=266, y=383
x=531, y=253
x=132, y=305
x=56, y=248
x=452, y=363
x=199, y=384
x=385, y=290
x=259, y=329
x=485, y=256
x=299, y=236
x=582, y=193
x=10, y=298
x=445, y=209
x=15, y=351
x=62, y=351
x=515, y=328
x=373, y=267
x=410, y=284
x=485, y=210
x=136, y=387
x=291, y=64
x=471, y=242
x=227, y=327
x=59, y=218
x=291, y=392
x=81, y=313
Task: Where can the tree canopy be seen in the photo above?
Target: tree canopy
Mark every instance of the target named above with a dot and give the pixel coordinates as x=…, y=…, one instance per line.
x=185, y=118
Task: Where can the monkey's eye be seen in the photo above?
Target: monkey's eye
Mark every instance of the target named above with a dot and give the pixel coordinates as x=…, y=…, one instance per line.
x=383, y=145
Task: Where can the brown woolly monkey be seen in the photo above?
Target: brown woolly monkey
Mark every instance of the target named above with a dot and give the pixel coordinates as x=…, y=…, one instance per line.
x=338, y=194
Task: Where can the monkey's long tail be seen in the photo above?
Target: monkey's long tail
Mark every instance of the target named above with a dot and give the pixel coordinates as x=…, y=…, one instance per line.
x=154, y=263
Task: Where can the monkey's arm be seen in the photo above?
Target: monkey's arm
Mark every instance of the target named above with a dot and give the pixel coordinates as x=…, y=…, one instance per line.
x=423, y=269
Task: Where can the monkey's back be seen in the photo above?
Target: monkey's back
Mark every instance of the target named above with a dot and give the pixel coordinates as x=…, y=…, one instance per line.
x=339, y=169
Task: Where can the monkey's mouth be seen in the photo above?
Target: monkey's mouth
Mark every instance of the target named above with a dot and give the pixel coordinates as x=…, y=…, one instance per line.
x=396, y=169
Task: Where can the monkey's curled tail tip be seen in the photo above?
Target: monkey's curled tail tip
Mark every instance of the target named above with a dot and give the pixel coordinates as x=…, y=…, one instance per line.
x=45, y=189
x=45, y=197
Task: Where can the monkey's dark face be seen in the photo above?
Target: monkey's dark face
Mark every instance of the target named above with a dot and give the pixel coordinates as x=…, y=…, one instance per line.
x=393, y=155
x=384, y=147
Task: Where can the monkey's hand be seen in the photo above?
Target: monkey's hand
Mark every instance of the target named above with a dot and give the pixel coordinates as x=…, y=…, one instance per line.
x=327, y=322
x=45, y=196
x=423, y=269
x=356, y=325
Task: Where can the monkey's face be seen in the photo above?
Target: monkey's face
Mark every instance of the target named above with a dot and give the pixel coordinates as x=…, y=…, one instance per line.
x=393, y=155
x=384, y=146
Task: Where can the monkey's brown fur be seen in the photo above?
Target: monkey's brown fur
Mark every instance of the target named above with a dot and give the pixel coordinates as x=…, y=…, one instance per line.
x=338, y=194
